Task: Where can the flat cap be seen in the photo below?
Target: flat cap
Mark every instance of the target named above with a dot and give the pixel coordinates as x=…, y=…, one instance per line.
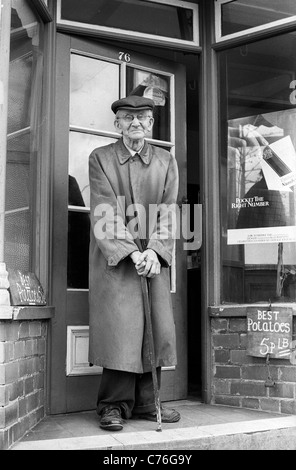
x=133, y=102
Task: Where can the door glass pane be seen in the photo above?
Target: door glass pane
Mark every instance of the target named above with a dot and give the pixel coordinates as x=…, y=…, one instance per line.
x=94, y=86
x=157, y=87
x=80, y=145
x=244, y=14
x=258, y=171
x=145, y=17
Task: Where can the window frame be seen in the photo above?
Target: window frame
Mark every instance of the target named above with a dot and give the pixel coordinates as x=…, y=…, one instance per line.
x=40, y=229
x=42, y=8
x=265, y=27
x=106, y=31
x=34, y=207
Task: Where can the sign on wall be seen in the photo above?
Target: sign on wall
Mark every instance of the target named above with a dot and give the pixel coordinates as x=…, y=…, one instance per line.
x=269, y=331
x=25, y=288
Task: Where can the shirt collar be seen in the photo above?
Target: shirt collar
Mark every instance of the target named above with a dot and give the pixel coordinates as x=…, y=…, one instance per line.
x=131, y=151
x=124, y=154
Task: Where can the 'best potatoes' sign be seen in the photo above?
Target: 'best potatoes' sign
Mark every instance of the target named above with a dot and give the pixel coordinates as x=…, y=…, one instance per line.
x=269, y=331
x=25, y=288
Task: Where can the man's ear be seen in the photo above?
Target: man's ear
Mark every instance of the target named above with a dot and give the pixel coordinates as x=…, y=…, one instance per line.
x=117, y=126
x=151, y=122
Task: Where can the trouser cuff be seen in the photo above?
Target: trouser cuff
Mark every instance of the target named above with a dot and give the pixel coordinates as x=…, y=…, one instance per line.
x=148, y=408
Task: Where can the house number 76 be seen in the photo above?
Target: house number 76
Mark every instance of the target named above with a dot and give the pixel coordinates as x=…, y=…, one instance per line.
x=124, y=56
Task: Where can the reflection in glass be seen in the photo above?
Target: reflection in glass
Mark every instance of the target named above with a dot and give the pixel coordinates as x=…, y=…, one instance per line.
x=258, y=198
x=90, y=98
x=244, y=14
x=24, y=106
x=145, y=17
x=157, y=87
x=80, y=147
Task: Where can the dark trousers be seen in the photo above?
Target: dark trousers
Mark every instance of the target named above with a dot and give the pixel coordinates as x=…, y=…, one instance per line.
x=134, y=393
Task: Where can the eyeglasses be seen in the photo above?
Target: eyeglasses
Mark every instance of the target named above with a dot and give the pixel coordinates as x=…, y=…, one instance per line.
x=130, y=117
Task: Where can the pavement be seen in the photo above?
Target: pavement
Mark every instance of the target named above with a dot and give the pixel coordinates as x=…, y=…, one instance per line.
x=202, y=427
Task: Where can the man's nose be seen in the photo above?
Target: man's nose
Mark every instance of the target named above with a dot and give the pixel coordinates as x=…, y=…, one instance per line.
x=135, y=121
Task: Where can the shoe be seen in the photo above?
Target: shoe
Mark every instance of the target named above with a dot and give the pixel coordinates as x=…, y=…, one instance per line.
x=111, y=419
x=167, y=416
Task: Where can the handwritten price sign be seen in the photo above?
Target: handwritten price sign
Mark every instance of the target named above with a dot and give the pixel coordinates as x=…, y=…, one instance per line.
x=25, y=288
x=269, y=332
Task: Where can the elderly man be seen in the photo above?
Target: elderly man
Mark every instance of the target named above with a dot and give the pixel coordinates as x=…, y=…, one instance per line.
x=126, y=175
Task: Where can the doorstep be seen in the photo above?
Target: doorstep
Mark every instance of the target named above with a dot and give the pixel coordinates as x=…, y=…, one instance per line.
x=202, y=427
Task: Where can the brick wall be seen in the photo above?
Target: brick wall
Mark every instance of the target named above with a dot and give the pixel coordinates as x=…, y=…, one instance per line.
x=239, y=379
x=22, y=378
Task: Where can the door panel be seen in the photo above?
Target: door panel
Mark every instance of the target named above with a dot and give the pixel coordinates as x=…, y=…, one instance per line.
x=90, y=76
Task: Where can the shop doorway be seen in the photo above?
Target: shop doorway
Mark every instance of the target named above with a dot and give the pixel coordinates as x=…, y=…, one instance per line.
x=90, y=75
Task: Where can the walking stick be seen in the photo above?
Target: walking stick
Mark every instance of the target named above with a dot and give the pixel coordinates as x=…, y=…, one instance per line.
x=147, y=310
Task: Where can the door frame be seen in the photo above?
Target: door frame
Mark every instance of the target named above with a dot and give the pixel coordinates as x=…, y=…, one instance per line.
x=60, y=215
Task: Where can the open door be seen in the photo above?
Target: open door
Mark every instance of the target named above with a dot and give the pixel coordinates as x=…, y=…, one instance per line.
x=90, y=76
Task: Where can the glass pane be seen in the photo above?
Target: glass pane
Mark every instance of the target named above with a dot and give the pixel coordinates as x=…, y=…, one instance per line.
x=94, y=86
x=22, y=16
x=17, y=248
x=157, y=87
x=19, y=97
x=24, y=105
x=258, y=171
x=244, y=14
x=78, y=247
x=143, y=17
x=18, y=172
x=81, y=145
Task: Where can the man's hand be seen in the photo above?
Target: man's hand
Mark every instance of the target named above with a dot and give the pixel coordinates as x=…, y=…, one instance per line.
x=146, y=263
x=135, y=256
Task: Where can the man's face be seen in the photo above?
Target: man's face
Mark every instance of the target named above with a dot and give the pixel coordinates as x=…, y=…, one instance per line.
x=134, y=125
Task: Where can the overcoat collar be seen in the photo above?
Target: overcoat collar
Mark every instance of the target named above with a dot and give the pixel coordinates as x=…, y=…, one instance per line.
x=124, y=155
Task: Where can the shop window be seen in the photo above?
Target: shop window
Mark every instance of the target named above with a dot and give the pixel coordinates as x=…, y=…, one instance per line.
x=245, y=16
x=24, y=103
x=258, y=170
x=164, y=20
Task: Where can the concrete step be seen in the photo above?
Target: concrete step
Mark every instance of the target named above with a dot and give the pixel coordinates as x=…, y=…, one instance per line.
x=202, y=427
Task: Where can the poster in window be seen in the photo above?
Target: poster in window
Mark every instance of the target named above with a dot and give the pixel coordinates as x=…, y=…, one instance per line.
x=261, y=181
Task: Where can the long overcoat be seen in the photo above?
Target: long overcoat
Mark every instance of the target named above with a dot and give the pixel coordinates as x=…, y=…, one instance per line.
x=119, y=184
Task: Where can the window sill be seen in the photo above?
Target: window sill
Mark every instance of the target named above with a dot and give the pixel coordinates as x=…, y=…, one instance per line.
x=240, y=310
x=26, y=313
